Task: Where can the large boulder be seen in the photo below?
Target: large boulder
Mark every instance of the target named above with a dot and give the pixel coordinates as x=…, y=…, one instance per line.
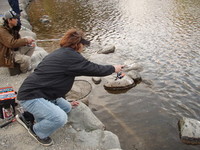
x=27, y=32
x=82, y=118
x=89, y=131
x=37, y=56
x=97, y=139
x=26, y=24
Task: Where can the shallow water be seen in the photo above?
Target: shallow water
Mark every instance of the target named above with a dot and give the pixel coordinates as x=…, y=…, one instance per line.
x=163, y=37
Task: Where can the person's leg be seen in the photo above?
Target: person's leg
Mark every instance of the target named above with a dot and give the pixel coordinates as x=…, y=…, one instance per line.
x=27, y=50
x=23, y=57
x=26, y=119
x=23, y=60
x=50, y=116
x=14, y=4
x=63, y=104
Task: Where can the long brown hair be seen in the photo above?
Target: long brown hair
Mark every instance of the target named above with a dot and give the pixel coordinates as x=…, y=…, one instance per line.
x=12, y=31
x=72, y=39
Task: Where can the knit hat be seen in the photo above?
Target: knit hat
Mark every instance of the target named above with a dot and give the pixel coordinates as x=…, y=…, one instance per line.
x=10, y=14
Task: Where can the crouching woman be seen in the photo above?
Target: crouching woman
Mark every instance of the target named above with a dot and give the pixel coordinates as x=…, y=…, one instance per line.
x=42, y=93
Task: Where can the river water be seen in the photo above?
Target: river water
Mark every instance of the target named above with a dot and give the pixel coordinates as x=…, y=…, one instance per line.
x=163, y=36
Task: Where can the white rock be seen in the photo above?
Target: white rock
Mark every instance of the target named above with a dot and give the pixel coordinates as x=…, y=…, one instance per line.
x=189, y=130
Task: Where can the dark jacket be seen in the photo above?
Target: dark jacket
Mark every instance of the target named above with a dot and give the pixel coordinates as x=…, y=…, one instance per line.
x=54, y=76
x=7, y=45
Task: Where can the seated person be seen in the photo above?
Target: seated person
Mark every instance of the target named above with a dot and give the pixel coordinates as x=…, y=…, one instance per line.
x=13, y=48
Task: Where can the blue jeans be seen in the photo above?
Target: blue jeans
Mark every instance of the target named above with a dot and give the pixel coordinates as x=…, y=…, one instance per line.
x=49, y=115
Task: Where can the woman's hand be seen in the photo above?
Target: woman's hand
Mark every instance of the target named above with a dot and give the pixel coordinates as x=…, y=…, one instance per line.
x=118, y=68
x=29, y=40
x=74, y=103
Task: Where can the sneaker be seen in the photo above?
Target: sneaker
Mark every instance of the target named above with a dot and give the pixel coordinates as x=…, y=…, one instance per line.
x=22, y=120
x=46, y=141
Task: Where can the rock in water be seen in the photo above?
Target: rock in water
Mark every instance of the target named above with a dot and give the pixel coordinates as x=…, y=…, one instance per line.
x=96, y=80
x=135, y=76
x=107, y=50
x=121, y=84
x=189, y=130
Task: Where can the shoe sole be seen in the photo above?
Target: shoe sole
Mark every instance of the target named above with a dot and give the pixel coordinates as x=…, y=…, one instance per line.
x=39, y=141
x=21, y=122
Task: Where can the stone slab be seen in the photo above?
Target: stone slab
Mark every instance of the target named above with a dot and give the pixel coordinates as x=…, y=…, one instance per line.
x=189, y=130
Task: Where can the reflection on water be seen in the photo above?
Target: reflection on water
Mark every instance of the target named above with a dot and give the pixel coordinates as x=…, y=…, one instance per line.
x=162, y=36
